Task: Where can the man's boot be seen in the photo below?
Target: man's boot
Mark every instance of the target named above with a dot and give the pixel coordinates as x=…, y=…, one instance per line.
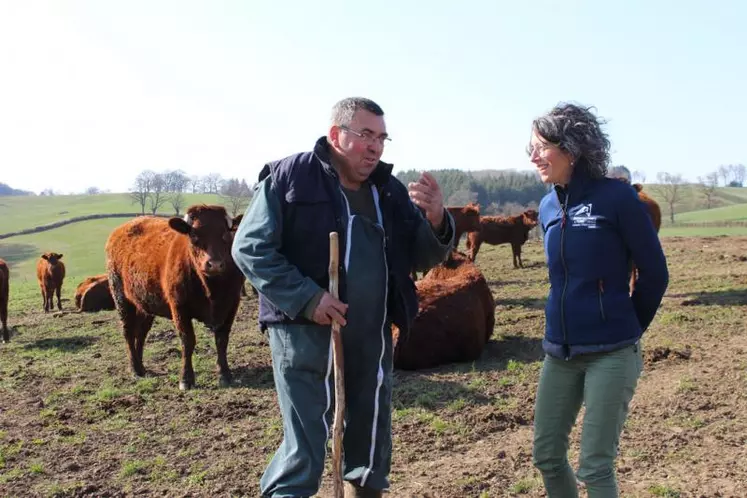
x=356, y=491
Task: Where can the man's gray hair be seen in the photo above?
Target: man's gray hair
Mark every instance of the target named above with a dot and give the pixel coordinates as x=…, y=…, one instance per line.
x=344, y=110
x=577, y=131
x=620, y=172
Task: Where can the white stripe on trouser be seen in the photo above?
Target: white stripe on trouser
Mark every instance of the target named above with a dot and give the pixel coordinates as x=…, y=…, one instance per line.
x=380, y=373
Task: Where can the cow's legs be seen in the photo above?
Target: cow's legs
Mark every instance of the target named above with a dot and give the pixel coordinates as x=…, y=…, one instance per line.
x=475, y=247
x=516, y=249
x=187, y=335
x=58, y=290
x=222, y=333
x=4, y=316
x=45, y=303
x=131, y=323
x=145, y=322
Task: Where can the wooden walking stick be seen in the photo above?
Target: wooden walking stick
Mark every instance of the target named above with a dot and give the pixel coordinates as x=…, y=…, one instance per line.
x=337, y=426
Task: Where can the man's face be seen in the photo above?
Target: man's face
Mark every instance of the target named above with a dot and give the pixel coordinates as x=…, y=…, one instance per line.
x=360, y=143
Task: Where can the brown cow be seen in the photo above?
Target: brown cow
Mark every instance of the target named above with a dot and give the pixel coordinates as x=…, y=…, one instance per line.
x=496, y=230
x=654, y=212
x=4, y=285
x=50, y=272
x=180, y=269
x=621, y=173
x=92, y=294
x=455, y=318
x=466, y=219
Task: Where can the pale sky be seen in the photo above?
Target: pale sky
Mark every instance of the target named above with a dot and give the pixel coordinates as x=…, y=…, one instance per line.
x=111, y=88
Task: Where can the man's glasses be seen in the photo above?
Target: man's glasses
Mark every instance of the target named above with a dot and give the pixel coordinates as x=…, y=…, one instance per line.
x=367, y=136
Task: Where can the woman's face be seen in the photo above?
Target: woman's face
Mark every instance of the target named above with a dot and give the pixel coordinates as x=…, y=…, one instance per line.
x=553, y=164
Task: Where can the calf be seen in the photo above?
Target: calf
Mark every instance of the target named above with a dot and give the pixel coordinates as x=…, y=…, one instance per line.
x=4, y=287
x=92, y=294
x=455, y=318
x=496, y=230
x=50, y=271
x=180, y=269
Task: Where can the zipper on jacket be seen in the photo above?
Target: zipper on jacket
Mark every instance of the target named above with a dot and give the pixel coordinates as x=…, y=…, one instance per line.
x=601, y=295
x=566, y=347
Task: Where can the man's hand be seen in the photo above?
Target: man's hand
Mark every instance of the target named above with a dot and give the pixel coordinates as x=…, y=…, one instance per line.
x=426, y=194
x=330, y=309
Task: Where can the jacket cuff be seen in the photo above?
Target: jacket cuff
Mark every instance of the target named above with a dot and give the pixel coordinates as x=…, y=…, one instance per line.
x=308, y=310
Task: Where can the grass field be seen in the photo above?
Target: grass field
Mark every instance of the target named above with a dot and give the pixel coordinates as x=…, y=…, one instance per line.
x=734, y=212
x=691, y=198
x=74, y=422
x=18, y=213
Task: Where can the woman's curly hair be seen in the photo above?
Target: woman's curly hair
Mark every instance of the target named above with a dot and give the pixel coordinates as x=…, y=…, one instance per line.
x=577, y=131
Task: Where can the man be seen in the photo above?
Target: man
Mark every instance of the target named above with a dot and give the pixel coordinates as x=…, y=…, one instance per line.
x=282, y=246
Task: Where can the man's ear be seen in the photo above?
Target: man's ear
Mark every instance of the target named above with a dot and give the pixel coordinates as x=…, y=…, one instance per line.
x=333, y=135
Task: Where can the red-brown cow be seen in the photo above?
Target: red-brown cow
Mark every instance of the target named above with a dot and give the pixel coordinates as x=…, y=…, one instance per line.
x=621, y=173
x=180, y=269
x=455, y=318
x=92, y=294
x=496, y=230
x=466, y=219
x=4, y=287
x=50, y=272
x=654, y=212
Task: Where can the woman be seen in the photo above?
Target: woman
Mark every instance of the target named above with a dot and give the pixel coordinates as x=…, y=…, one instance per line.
x=593, y=226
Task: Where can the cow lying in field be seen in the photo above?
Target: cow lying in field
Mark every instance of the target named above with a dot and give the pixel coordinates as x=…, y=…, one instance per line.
x=180, y=269
x=4, y=288
x=496, y=230
x=50, y=272
x=455, y=318
x=92, y=294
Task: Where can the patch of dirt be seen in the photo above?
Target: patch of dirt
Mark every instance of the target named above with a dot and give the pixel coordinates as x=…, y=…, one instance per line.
x=74, y=422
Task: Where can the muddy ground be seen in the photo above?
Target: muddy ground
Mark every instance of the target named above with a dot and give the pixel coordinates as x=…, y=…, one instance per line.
x=74, y=422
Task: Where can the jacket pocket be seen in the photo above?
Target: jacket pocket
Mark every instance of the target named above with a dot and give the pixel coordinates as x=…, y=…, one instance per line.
x=600, y=292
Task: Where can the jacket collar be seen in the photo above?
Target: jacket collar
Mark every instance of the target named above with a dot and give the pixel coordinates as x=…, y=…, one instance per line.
x=378, y=177
x=580, y=182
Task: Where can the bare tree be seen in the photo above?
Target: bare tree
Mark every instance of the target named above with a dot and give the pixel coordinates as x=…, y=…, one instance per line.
x=158, y=196
x=195, y=182
x=639, y=176
x=670, y=189
x=92, y=191
x=212, y=183
x=708, y=186
x=738, y=173
x=177, y=183
x=723, y=173
x=140, y=191
x=236, y=195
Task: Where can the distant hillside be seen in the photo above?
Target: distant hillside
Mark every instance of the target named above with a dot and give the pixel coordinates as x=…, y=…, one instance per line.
x=6, y=189
x=693, y=199
x=23, y=212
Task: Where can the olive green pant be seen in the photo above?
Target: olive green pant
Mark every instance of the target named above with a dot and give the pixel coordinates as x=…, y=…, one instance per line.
x=605, y=383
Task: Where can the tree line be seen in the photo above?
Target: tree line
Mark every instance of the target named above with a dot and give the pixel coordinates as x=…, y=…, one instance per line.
x=153, y=190
x=496, y=191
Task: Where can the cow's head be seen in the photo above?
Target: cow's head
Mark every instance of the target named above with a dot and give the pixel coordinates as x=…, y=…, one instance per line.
x=529, y=217
x=467, y=218
x=52, y=257
x=210, y=230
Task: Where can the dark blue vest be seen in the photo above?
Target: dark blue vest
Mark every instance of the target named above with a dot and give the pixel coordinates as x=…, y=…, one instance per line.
x=309, y=191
